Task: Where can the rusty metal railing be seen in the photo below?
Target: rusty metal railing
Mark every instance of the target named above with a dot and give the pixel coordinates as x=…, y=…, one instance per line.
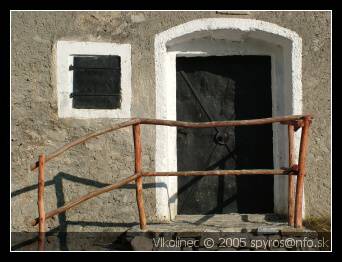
x=295, y=193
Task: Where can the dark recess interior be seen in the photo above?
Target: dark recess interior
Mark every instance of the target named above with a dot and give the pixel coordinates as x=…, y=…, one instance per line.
x=224, y=88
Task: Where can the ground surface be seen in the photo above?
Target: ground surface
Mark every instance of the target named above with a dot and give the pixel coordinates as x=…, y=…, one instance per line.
x=233, y=232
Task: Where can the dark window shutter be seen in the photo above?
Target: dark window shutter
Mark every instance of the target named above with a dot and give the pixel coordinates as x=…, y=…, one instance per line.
x=96, y=82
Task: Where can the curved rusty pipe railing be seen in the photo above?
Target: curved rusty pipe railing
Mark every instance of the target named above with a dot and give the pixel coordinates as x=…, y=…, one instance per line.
x=294, y=122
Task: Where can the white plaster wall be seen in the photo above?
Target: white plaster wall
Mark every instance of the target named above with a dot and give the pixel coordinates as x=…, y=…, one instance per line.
x=64, y=56
x=225, y=36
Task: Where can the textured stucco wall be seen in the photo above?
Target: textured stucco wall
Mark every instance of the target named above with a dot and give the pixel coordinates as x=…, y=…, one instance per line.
x=36, y=127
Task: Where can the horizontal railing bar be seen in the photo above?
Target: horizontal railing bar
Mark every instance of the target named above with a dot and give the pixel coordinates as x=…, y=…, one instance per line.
x=224, y=172
x=250, y=122
x=161, y=122
x=90, y=195
x=74, y=203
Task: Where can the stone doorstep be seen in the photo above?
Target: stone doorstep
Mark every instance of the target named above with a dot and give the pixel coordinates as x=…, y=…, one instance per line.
x=243, y=223
x=191, y=231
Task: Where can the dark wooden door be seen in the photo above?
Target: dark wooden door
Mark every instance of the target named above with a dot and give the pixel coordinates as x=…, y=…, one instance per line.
x=224, y=88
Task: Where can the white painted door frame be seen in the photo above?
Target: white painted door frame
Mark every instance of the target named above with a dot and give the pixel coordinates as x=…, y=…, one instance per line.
x=225, y=36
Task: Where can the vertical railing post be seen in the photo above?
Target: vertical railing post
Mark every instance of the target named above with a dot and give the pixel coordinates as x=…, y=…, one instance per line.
x=301, y=172
x=291, y=184
x=138, y=170
x=41, y=210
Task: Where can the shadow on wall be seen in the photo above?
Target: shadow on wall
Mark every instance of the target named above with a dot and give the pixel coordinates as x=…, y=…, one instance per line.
x=61, y=230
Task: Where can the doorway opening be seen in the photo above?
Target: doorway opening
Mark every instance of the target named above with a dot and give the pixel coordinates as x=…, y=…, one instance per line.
x=218, y=88
x=227, y=39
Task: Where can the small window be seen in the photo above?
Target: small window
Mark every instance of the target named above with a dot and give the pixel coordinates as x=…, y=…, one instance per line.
x=96, y=82
x=93, y=79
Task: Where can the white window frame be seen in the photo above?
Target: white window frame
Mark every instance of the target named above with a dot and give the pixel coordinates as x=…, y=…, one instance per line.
x=66, y=50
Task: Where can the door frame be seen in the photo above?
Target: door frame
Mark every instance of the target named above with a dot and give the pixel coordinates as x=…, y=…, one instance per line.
x=222, y=37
